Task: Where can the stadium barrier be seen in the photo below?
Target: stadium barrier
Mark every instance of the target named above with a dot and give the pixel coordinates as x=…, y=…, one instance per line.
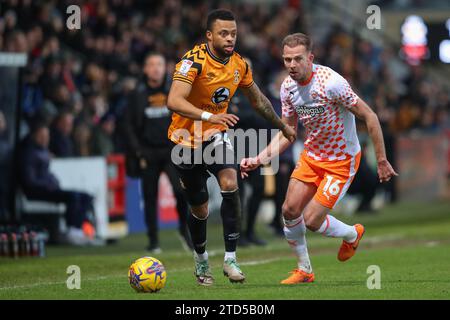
x=167, y=212
x=117, y=225
x=168, y=217
x=423, y=161
x=102, y=178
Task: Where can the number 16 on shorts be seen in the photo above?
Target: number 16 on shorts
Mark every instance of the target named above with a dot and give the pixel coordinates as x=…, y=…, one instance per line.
x=330, y=191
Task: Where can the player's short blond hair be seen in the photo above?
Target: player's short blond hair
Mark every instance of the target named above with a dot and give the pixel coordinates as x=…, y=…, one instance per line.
x=298, y=39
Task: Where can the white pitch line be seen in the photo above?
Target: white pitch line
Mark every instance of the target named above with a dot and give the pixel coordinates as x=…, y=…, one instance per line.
x=257, y=262
x=52, y=283
x=246, y=263
x=383, y=238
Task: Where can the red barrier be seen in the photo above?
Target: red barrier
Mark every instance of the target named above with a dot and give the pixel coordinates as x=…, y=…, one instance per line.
x=167, y=204
x=116, y=186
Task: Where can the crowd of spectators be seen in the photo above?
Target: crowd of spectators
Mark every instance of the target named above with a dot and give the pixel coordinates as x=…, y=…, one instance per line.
x=78, y=81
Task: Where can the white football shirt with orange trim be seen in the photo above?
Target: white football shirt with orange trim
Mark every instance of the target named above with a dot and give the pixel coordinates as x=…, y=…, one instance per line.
x=322, y=105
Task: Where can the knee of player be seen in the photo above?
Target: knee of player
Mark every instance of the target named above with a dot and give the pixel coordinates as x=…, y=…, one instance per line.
x=228, y=185
x=289, y=212
x=312, y=223
x=200, y=211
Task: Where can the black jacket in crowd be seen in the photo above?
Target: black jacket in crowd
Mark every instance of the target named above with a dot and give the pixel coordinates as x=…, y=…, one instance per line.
x=60, y=145
x=35, y=175
x=147, y=121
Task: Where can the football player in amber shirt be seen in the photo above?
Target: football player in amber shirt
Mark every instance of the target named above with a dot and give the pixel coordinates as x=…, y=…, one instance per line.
x=203, y=83
x=323, y=101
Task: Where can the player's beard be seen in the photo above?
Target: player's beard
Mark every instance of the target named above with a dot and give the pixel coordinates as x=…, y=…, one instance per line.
x=302, y=75
x=222, y=53
x=297, y=76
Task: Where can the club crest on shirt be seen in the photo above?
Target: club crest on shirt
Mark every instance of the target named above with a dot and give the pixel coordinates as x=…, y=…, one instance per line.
x=237, y=77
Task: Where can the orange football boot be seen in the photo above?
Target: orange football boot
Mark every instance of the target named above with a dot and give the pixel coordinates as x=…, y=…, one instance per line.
x=347, y=249
x=298, y=276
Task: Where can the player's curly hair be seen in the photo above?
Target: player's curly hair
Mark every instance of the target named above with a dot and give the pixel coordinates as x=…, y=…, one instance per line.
x=218, y=14
x=298, y=39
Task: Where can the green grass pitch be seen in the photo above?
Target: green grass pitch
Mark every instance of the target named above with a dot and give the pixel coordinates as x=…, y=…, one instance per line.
x=409, y=242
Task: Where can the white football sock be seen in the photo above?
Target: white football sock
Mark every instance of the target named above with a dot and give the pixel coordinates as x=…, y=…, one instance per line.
x=201, y=256
x=295, y=231
x=230, y=255
x=335, y=228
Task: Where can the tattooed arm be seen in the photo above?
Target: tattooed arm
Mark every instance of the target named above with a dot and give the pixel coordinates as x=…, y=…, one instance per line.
x=263, y=106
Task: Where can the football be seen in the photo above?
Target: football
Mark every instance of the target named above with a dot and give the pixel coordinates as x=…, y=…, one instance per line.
x=147, y=274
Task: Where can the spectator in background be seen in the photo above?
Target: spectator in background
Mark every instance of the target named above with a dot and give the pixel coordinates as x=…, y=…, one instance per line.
x=94, y=108
x=61, y=144
x=38, y=183
x=51, y=76
x=54, y=93
x=32, y=98
x=82, y=138
x=16, y=42
x=118, y=104
x=101, y=142
x=147, y=120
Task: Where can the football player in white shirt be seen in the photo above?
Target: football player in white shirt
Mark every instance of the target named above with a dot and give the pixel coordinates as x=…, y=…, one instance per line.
x=324, y=103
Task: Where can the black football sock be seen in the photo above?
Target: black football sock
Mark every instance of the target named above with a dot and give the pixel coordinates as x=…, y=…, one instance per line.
x=230, y=211
x=197, y=229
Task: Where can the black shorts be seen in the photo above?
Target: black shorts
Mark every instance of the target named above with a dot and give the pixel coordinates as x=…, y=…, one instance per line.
x=195, y=166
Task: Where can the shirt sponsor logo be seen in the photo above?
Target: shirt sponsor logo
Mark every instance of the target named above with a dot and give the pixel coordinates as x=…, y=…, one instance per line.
x=156, y=112
x=220, y=95
x=305, y=111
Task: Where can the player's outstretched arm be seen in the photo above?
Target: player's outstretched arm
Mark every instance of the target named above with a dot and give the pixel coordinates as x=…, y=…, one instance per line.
x=277, y=146
x=178, y=103
x=365, y=113
x=263, y=106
